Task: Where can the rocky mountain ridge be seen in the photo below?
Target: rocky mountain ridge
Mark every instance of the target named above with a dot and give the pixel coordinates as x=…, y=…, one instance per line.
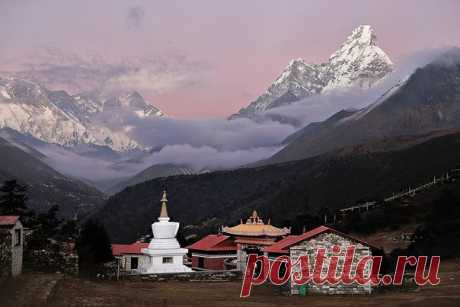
x=359, y=62
x=59, y=118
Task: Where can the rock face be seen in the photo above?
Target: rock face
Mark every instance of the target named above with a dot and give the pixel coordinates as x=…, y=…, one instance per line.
x=359, y=62
x=59, y=118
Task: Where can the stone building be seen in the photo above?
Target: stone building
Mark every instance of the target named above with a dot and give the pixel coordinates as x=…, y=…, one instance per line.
x=323, y=237
x=11, y=246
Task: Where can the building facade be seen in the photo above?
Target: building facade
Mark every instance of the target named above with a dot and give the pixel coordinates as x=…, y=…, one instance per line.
x=230, y=249
x=213, y=252
x=308, y=243
x=129, y=257
x=11, y=246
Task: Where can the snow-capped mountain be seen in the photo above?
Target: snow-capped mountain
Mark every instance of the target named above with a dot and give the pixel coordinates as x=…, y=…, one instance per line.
x=422, y=106
x=359, y=62
x=59, y=118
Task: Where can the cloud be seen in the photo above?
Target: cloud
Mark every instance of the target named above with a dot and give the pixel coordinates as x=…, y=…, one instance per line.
x=199, y=144
x=209, y=158
x=75, y=73
x=135, y=17
x=219, y=143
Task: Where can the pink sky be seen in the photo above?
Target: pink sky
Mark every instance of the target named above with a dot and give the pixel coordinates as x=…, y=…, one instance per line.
x=233, y=49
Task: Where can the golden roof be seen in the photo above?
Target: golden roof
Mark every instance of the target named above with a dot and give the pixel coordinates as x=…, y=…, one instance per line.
x=255, y=226
x=164, y=209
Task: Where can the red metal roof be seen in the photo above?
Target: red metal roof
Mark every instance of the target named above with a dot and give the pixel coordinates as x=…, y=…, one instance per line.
x=213, y=243
x=123, y=249
x=282, y=246
x=7, y=220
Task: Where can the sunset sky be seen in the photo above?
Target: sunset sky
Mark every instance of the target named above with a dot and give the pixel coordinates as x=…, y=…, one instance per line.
x=205, y=59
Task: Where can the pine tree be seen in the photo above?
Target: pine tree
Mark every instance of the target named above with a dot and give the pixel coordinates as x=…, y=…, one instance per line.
x=93, y=246
x=12, y=198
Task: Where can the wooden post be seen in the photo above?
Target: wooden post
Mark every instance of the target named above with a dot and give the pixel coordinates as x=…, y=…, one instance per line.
x=118, y=268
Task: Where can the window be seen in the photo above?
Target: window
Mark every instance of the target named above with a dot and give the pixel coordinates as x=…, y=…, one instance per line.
x=167, y=260
x=134, y=263
x=201, y=262
x=17, y=237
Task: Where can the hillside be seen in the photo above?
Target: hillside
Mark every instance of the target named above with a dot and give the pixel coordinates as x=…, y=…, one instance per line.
x=283, y=192
x=46, y=187
x=152, y=172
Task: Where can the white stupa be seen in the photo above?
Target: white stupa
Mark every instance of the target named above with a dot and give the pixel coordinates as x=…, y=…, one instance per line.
x=164, y=252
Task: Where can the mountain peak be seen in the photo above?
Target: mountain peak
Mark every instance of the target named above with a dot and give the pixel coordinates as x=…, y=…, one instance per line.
x=364, y=34
x=68, y=120
x=359, y=62
x=296, y=62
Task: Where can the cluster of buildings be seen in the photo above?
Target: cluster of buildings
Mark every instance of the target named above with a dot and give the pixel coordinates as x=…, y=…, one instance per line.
x=225, y=251
x=229, y=249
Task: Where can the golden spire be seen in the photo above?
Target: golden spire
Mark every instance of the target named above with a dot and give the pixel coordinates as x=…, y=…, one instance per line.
x=164, y=209
x=254, y=218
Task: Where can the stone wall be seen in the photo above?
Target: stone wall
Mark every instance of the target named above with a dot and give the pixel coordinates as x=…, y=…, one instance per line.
x=188, y=276
x=5, y=254
x=327, y=241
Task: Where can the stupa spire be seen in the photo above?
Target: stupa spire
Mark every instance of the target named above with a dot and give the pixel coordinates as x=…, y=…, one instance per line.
x=164, y=207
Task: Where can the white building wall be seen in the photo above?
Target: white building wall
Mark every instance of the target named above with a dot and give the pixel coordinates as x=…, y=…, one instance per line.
x=125, y=262
x=17, y=249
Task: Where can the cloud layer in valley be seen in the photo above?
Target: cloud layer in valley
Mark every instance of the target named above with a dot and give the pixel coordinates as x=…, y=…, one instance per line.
x=222, y=143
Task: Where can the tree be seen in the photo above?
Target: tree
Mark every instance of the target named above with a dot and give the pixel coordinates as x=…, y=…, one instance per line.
x=68, y=230
x=13, y=198
x=93, y=246
x=45, y=226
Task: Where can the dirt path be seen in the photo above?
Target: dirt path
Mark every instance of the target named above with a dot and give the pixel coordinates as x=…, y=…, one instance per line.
x=56, y=290
x=28, y=290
